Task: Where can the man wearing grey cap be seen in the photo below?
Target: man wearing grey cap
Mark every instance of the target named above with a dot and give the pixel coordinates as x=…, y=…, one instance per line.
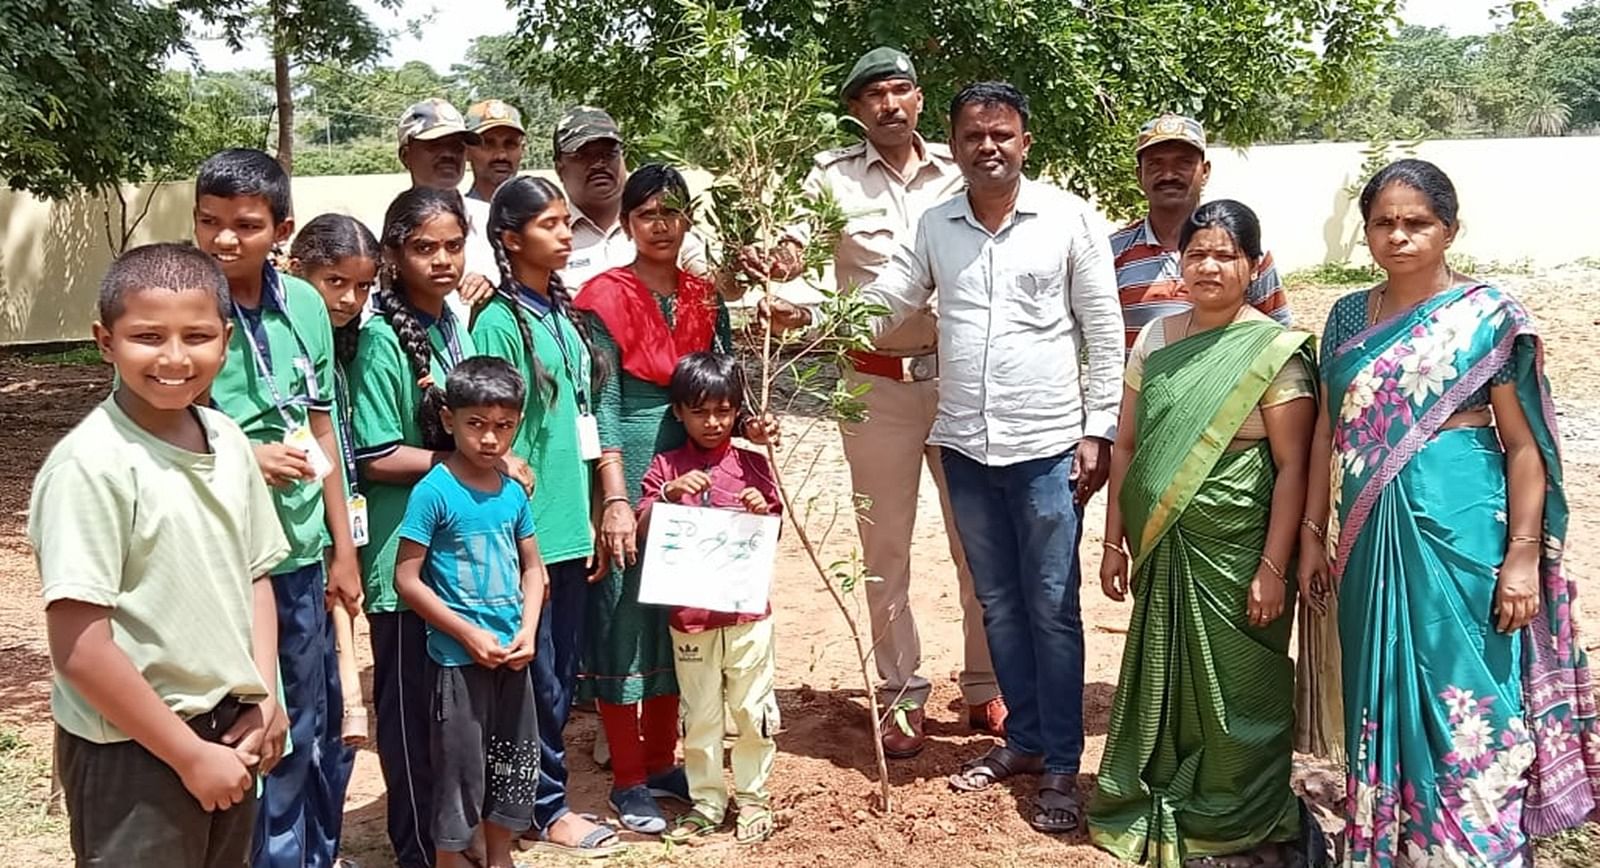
x=589, y=161
x=498, y=154
x=885, y=183
x=1171, y=157
x=433, y=140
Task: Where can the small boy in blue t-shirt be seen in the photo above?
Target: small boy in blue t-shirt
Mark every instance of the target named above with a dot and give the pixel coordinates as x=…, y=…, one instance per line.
x=469, y=565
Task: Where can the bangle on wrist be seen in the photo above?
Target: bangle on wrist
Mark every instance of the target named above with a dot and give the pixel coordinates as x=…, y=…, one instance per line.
x=1113, y=547
x=1272, y=567
x=1527, y=540
x=613, y=498
x=1321, y=532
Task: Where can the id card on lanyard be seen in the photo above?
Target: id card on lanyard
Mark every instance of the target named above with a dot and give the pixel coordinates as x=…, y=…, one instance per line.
x=355, y=501
x=577, y=374
x=296, y=435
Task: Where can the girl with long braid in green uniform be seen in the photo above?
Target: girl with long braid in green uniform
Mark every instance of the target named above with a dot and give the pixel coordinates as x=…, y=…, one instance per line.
x=1208, y=483
x=403, y=356
x=530, y=323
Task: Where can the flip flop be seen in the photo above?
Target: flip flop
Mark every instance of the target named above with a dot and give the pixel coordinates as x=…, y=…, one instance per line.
x=998, y=764
x=754, y=824
x=690, y=826
x=1057, y=809
x=598, y=844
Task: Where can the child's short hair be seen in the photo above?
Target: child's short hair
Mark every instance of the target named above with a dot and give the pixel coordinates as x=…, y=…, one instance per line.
x=245, y=172
x=485, y=381
x=701, y=377
x=167, y=266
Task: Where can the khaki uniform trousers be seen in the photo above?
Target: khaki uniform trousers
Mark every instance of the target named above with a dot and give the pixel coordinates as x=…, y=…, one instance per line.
x=727, y=674
x=886, y=453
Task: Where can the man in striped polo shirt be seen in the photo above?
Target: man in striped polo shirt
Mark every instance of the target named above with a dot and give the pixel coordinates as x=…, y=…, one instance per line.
x=1173, y=170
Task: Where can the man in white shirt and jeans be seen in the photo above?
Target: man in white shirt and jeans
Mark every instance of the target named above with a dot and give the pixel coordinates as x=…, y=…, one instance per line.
x=1024, y=284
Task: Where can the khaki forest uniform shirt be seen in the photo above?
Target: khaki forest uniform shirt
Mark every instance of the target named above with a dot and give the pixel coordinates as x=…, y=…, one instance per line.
x=882, y=210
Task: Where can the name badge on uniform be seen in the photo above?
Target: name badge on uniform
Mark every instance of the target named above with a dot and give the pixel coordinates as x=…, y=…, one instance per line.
x=588, y=437
x=301, y=438
x=359, y=533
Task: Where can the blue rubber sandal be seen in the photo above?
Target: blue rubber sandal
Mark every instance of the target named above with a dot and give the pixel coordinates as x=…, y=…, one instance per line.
x=638, y=811
x=671, y=784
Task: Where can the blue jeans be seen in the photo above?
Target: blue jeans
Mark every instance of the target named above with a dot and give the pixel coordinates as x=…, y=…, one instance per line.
x=1020, y=528
x=555, y=673
x=302, y=801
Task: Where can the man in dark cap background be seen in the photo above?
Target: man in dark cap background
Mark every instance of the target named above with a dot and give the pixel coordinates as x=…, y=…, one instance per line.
x=589, y=161
x=885, y=183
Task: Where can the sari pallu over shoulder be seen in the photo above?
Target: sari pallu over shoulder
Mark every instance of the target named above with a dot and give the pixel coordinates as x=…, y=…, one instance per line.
x=1209, y=382
x=1390, y=390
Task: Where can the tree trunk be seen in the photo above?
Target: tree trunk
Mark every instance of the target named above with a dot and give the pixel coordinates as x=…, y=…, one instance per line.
x=284, y=88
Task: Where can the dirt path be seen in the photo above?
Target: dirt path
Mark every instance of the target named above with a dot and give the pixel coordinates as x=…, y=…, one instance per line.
x=824, y=771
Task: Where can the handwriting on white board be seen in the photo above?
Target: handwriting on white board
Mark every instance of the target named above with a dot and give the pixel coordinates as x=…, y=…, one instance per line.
x=704, y=558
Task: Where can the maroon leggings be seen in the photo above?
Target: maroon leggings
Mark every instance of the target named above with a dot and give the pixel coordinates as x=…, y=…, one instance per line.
x=643, y=738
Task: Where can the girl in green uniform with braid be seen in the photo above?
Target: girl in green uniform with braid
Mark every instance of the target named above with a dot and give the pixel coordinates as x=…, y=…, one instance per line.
x=530, y=324
x=403, y=356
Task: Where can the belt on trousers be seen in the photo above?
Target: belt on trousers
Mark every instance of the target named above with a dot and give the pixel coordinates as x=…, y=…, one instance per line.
x=906, y=369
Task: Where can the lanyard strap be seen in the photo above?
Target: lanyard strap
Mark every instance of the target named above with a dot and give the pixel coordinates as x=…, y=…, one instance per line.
x=446, y=323
x=580, y=377
x=302, y=361
x=341, y=417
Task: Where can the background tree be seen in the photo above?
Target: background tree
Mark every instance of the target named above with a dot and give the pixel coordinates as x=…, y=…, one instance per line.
x=1094, y=72
x=82, y=92
x=297, y=32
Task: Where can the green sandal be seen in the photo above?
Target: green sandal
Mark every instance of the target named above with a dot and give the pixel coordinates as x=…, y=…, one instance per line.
x=754, y=825
x=689, y=827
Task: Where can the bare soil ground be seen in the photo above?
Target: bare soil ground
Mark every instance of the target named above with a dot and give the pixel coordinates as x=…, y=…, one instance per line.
x=824, y=779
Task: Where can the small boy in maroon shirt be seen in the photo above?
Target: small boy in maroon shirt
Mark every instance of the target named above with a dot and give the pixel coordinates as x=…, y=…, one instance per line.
x=723, y=659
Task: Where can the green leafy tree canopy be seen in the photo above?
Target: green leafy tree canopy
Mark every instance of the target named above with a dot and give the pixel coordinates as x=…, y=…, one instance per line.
x=82, y=91
x=1094, y=72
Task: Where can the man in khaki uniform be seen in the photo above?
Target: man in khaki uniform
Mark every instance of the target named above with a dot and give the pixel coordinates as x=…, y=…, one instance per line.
x=885, y=183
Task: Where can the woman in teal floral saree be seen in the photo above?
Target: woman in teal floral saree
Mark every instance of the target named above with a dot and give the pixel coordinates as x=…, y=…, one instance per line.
x=1470, y=720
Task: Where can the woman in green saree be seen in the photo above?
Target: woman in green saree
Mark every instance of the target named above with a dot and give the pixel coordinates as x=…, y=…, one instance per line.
x=1470, y=719
x=1210, y=469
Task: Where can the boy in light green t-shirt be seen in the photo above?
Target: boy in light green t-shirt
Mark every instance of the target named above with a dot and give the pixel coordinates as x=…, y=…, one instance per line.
x=154, y=533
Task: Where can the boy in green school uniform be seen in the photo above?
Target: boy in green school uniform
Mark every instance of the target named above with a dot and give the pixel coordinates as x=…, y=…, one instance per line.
x=277, y=384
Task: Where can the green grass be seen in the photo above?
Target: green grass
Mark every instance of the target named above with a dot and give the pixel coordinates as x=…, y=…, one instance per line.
x=24, y=792
x=77, y=354
x=1335, y=274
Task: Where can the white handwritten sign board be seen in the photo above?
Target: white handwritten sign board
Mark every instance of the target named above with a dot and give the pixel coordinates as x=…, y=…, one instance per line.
x=703, y=558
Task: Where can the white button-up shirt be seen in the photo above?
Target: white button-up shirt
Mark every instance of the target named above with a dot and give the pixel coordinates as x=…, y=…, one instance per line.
x=1016, y=309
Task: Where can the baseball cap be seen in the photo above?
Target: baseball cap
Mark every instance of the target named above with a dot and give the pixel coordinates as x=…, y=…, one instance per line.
x=1171, y=128
x=583, y=124
x=876, y=65
x=491, y=113
x=432, y=119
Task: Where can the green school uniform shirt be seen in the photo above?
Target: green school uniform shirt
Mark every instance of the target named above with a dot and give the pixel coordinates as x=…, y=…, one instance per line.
x=548, y=436
x=168, y=540
x=298, y=350
x=383, y=408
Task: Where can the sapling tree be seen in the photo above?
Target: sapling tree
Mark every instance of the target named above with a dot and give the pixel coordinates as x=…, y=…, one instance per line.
x=755, y=122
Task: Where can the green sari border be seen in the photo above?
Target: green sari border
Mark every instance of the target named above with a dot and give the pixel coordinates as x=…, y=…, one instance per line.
x=1213, y=440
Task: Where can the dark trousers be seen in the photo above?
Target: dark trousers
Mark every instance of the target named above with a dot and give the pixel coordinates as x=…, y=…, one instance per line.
x=129, y=809
x=555, y=674
x=401, y=693
x=302, y=801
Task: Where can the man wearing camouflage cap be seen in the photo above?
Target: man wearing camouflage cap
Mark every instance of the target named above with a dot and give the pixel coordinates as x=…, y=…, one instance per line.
x=498, y=154
x=885, y=184
x=589, y=161
x=1173, y=170
x=433, y=140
